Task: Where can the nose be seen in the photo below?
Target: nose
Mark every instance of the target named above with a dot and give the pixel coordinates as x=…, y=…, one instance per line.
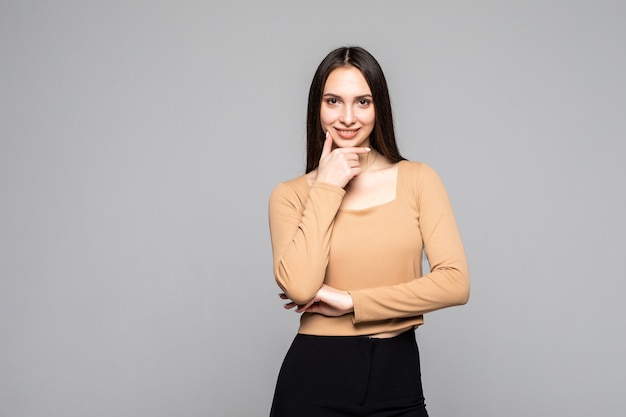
x=347, y=116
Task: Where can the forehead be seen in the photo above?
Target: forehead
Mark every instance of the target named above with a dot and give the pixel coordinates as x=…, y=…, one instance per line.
x=346, y=80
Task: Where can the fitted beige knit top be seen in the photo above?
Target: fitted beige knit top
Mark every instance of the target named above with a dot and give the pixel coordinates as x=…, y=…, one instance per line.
x=375, y=253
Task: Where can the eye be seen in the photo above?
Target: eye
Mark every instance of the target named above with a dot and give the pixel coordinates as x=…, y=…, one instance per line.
x=364, y=102
x=331, y=101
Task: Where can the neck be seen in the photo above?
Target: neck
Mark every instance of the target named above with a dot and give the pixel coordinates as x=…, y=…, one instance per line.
x=367, y=160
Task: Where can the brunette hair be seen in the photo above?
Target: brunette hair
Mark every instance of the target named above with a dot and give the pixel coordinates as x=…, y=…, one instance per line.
x=382, y=138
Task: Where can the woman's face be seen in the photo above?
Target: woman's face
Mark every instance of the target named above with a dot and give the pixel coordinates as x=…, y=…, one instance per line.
x=347, y=109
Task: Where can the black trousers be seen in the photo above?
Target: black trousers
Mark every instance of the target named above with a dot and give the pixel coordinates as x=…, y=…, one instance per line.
x=332, y=376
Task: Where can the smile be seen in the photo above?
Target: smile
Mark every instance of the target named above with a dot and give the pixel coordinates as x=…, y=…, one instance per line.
x=346, y=134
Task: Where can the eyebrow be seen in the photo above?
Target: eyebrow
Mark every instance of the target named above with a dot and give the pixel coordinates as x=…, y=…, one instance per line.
x=356, y=98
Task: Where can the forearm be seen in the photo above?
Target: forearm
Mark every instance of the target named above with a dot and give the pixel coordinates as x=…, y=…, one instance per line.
x=444, y=287
x=301, y=241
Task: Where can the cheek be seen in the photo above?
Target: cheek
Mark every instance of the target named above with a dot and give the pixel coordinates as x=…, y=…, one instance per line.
x=326, y=116
x=369, y=117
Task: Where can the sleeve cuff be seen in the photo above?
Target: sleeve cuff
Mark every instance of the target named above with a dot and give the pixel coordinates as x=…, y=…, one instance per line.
x=356, y=308
x=329, y=187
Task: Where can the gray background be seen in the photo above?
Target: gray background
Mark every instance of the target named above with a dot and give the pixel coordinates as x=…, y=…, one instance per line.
x=140, y=142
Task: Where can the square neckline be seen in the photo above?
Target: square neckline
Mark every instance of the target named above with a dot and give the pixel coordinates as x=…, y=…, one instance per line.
x=380, y=205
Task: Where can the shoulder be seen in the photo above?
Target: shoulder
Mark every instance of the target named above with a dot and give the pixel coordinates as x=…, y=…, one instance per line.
x=293, y=190
x=421, y=182
x=417, y=171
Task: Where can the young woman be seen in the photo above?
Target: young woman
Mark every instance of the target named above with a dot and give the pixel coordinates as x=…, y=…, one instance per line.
x=347, y=239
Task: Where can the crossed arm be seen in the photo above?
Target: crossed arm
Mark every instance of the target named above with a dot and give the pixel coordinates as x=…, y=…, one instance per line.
x=328, y=301
x=301, y=225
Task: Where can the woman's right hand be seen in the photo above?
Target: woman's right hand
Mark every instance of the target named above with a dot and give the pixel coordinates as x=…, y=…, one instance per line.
x=338, y=166
x=328, y=301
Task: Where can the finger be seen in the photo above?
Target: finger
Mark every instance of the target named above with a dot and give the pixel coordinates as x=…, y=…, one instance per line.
x=315, y=308
x=283, y=296
x=328, y=145
x=354, y=150
x=353, y=153
x=289, y=305
x=351, y=156
x=359, y=150
x=354, y=160
x=302, y=308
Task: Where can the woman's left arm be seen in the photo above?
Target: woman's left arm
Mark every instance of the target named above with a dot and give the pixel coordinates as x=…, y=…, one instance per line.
x=447, y=283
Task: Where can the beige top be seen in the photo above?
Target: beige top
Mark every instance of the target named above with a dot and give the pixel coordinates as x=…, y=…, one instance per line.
x=375, y=253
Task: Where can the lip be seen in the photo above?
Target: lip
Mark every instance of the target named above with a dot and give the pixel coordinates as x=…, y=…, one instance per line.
x=346, y=133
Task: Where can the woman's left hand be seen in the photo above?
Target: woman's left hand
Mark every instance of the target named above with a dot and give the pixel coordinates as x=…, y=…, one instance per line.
x=328, y=301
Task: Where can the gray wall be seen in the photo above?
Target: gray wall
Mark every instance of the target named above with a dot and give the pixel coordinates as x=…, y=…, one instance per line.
x=139, y=142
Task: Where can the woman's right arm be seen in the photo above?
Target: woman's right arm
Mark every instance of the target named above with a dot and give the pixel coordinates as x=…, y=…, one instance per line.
x=301, y=223
x=300, y=229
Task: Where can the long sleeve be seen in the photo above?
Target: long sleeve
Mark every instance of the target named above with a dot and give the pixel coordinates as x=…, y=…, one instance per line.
x=446, y=285
x=301, y=223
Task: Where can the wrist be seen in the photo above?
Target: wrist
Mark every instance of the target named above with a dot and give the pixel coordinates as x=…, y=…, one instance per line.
x=349, y=303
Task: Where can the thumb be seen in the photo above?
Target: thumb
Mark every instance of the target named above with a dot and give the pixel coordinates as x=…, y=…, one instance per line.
x=328, y=145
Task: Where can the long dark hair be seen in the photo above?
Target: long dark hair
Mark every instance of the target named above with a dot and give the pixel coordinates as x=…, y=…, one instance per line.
x=382, y=138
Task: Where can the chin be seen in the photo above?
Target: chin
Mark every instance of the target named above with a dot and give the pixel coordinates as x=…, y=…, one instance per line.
x=352, y=143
